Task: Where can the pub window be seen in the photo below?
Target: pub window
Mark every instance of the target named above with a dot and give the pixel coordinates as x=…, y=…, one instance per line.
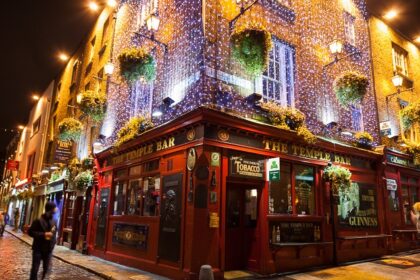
x=104, y=31
x=409, y=196
x=399, y=59
x=147, y=8
x=349, y=29
x=277, y=80
x=36, y=125
x=136, y=193
x=293, y=194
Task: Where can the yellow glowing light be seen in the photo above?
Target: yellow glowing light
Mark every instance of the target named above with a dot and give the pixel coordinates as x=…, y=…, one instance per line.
x=35, y=97
x=382, y=26
x=93, y=6
x=417, y=39
x=111, y=3
x=336, y=47
x=391, y=14
x=397, y=80
x=21, y=127
x=63, y=57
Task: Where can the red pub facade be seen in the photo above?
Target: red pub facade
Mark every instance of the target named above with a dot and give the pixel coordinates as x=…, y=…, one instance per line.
x=195, y=192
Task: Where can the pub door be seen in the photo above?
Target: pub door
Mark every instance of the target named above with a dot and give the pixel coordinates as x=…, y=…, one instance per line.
x=102, y=219
x=242, y=236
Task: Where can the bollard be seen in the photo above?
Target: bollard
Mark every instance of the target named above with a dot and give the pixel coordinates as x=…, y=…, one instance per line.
x=206, y=273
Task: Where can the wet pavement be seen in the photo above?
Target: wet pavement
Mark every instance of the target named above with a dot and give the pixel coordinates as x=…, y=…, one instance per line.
x=16, y=259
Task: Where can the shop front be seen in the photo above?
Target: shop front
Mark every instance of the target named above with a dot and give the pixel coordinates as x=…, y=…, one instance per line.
x=55, y=193
x=401, y=191
x=235, y=194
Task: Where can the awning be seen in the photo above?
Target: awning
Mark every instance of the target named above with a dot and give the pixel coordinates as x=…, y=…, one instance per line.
x=22, y=183
x=56, y=186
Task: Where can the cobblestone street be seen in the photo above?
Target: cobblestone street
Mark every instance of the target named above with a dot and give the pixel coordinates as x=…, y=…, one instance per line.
x=16, y=258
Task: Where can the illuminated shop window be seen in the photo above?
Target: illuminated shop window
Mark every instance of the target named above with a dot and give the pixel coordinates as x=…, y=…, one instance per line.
x=349, y=28
x=399, y=59
x=135, y=192
x=293, y=194
x=277, y=81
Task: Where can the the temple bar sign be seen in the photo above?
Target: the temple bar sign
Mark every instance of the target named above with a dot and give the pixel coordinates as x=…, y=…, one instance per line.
x=144, y=150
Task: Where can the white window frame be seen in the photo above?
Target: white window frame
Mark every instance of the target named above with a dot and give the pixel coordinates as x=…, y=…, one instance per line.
x=280, y=72
x=147, y=8
x=349, y=28
x=399, y=60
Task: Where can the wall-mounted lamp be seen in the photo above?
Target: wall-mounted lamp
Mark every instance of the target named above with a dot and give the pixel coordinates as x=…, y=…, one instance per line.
x=152, y=23
x=336, y=47
x=397, y=81
x=109, y=68
x=163, y=108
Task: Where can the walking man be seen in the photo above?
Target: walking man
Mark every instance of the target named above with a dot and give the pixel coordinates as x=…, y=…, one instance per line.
x=43, y=231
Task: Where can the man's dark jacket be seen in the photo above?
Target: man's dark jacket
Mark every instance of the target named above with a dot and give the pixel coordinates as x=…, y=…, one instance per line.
x=38, y=229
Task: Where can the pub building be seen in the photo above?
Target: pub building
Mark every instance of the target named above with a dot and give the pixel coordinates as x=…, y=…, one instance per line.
x=401, y=192
x=181, y=196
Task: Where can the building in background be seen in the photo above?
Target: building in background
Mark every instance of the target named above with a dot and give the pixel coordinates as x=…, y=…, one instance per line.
x=396, y=68
x=9, y=172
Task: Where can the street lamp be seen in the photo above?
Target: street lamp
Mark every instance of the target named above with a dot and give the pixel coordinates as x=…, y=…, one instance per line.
x=109, y=68
x=336, y=47
x=111, y=3
x=391, y=14
x=397, y=81
x=63, y=57
x=21, y=127
x=93, y=6
x=79, y=98
x=153, y=22
x=35, y=97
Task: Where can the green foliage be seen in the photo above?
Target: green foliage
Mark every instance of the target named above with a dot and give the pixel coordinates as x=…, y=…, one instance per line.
x=350, y=88
x=93, y=104
x=87, y=162
x=414, y=150
x=70, y=129
x=251, y=47
x=338, y=176
x=290, y=119
x=137, y=63
x=83, y=179
x=410, y=115
x=133, y=128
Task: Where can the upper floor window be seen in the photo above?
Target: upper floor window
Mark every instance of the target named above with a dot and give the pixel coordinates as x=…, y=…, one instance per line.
x=74, y=72
x=147, y=8
x=349, y=29
x=277, y=81
x=399, y=59
x=36, y=125
x=104, y=31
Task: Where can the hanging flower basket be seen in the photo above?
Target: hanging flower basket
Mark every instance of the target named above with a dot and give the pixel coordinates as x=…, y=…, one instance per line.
x=410, y=115
x=83, y=179
x=251, y=47
x=87, y=163
x=133, y=128
x=70, y=129
x=93, y=104
x=136, y=63
x=338, y=176
x=350, y=88
x=290, y=119
x=363, y=140
x=414, y=150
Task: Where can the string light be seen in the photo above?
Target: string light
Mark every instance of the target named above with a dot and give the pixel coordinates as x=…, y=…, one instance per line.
x=199, y=51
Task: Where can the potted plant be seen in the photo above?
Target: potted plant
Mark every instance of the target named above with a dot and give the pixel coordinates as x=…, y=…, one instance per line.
x=414, y=150
x=70, y=129
x=290, y=119
x=83, y=179
x=136, y=63
x=410, y=115
x=93, y=104
x=363, y=139
x=338, y=176
x=133, y=128
x=251, y=45
x=350, y=88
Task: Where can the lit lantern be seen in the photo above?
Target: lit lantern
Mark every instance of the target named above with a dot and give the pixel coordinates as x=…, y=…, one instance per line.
x=336, y=47
x=79, y=98
x=153, y=22
x=109, y=68
x=397, y=80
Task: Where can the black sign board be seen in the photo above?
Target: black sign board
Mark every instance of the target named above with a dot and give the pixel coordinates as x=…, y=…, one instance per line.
x=134, y=236
x=241, y=166
x=357, y=206
x=170, y=218
x=296, y=231
x=62, y=151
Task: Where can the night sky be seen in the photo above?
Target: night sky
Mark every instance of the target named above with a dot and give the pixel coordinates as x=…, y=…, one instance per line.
x=34, y=31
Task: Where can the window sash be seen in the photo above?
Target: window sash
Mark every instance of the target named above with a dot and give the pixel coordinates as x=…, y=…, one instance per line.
x=349, y=28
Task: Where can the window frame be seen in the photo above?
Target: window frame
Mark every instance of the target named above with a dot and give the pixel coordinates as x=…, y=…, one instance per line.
x=409, y=195
x=399, y=54
x=349, y=28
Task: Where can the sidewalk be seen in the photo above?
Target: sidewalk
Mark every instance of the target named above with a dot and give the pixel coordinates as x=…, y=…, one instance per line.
x=100, y=267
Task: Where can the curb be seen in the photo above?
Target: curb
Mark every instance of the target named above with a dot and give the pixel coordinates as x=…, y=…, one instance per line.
x=104, y=276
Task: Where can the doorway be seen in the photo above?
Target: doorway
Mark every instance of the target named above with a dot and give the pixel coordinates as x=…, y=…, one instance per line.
x=242, y=234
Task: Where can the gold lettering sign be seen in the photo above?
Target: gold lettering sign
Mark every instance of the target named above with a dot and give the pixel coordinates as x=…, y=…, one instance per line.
x=305, y=152
x=144, y=150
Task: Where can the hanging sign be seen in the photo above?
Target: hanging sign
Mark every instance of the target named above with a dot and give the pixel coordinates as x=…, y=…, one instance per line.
x=12, y=165
x=246, y=167
x=273, y=169
x=391, y=184
x=385, y=128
